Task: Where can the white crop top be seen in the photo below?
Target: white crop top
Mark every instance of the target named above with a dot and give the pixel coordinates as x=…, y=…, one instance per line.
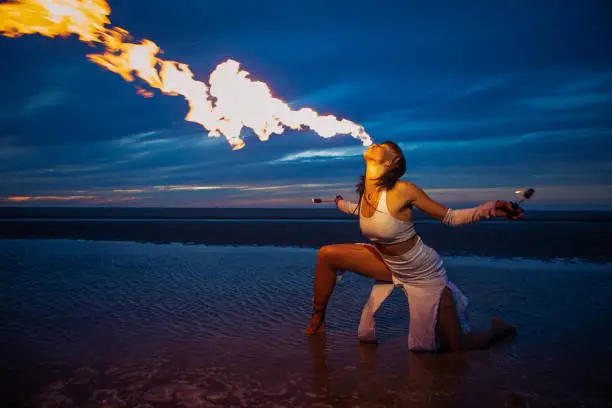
x=384, y=228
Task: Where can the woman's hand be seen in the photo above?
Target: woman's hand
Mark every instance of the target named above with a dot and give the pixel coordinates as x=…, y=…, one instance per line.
x=507, y=210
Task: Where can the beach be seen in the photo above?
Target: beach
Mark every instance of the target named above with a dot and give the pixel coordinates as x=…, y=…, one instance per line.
x=168, y=313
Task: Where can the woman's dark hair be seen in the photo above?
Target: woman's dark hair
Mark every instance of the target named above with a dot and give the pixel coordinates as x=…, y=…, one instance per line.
x=388, y=180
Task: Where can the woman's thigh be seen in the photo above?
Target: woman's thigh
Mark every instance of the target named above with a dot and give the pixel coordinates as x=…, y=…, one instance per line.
x=358, y=258
x=448, y=328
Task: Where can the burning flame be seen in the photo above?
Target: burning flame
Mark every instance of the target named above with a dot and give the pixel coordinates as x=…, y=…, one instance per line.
x=238, y=101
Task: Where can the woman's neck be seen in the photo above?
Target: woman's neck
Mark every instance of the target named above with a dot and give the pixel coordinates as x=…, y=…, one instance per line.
x=371, y=185
x=372, y=176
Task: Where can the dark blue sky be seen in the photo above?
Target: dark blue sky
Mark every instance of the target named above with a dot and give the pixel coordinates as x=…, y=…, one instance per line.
x=484, y=97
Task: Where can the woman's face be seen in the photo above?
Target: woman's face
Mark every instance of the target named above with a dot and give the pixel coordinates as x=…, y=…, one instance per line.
x=379, y=154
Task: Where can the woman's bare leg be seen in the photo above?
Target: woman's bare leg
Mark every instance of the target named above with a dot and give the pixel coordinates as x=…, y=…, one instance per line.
x=448, y=328
x=361, y=259
x=451, y=336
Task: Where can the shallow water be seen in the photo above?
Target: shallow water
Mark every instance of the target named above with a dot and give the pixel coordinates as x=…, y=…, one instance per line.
x=93, y=323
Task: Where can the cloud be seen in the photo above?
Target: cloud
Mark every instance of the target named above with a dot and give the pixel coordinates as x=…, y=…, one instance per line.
x=336, y=153
x=195, y=188
x=141, y=138
x=164, y=141
x=488, y=84
x=575, y=92
x=8, y=150
x=286, y=187
x=255, y=202
x=482, y=143
x=546, y=195
x=405, y=126
x=74, y=200
x=508, y=139
x=37, y=103
x=332, y=93
x=7, y=141
x=185, y=193
x=569, y=102
x=442, y=123
x=590, y=83
x=558, y=194
x=20, y=199
x=239, y=187
x=43, y=100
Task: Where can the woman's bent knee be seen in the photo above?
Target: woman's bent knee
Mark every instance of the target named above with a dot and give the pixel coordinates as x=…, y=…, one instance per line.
x=326, y=254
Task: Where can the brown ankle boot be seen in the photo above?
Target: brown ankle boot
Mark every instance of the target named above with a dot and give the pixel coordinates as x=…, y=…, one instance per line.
x=317, y=321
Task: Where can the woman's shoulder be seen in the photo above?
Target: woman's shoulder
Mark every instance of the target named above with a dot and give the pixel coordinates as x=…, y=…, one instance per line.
x=403, y=189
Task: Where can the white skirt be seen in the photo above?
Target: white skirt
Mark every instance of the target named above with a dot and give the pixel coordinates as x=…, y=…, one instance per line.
x=421, y=275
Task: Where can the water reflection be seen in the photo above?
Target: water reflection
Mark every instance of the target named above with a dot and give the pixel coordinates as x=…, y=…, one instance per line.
x=320, y=375
x=381, y=377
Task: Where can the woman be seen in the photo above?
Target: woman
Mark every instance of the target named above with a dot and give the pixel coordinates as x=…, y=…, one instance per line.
x=399, y=255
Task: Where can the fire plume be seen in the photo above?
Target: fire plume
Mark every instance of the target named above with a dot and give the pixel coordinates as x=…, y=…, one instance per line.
x=229, y=102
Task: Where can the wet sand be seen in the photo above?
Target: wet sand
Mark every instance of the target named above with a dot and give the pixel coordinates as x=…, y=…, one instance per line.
x=128, y=324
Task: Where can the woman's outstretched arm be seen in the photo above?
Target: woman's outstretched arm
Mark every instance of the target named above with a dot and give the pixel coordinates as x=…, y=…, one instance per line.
x=347, y=207
x=418, y=198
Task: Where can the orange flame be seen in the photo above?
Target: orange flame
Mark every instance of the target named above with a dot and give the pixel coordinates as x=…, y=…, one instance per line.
x=239, y=101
